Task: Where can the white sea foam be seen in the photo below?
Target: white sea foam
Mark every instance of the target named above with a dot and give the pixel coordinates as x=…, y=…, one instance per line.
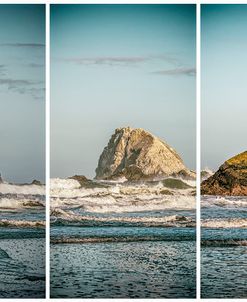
x=164, y=221
x=117, y=198
x=225, y=223
x=224, y=201
x=111, y=205
x=119, y=180
x=71, y=188
x=21, y=196
x=189, y=182
x=21, y=224
x=20, y=203
x=142, y=203
x=6, y=188
x=7, y=203
x=63, y=184
x=208, y=171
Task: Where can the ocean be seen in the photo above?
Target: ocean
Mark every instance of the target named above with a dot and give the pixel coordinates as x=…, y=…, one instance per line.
x=120, y=240
x=224, y=247
x=22, y=241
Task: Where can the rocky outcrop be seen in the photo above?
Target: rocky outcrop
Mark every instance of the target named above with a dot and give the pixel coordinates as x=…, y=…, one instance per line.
x=86, y=183
x=138, y=155
x=36, y=182
x=230, y=179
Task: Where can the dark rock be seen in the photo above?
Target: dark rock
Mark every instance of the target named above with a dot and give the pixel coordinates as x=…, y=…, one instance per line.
x=36, y=182
x=230, y=179
x=87, y=183
x=173, y=183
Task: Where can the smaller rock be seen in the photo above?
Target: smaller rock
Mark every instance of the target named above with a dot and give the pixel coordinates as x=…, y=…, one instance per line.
x=174, y=183
x=36, y=182
x=87, y=183
x=166, y=192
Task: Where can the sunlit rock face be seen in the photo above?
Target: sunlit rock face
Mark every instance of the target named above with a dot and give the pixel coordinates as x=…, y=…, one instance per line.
x=137, y=154
x=230, y=179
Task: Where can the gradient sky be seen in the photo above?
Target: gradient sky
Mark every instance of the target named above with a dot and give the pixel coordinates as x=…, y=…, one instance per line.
x=115, y=66
x=22, y=76
x=224, y=88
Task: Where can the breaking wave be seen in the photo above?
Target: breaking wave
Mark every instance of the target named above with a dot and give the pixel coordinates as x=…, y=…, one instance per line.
x=6, y=188
x=21, y=207
x=60, y=217
x=206, y=173
x=21, y=196
x=224, y=223
x=57, y=184
x=21, y=224
x=19, y=203
x=120, y=204
x=118, y=197
x=70, y=188
x=223, y=201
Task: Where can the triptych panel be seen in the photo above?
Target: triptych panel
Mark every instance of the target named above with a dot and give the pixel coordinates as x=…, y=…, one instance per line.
x=123, y=179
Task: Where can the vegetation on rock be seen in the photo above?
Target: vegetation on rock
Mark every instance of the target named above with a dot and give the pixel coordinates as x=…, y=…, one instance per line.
x=230, y=179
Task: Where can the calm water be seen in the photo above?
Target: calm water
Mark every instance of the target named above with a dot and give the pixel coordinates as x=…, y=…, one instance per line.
x=22, y=263
x=22, y=253
x=123, y=270
x=224, y=250
x=157, y=262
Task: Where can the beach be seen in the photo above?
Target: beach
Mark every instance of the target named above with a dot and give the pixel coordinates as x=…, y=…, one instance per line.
x=122, y=240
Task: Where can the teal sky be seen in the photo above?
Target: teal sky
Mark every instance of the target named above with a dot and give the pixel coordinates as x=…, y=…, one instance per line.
x=224, y=89
x=22, y=76
x=120, y=65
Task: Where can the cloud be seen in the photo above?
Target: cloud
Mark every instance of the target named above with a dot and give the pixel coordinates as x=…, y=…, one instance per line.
x=23, y=45
x=177, y=72
x=106, y=60
x=23, y=87
x=37, y=93
x=12, y=84
x=120, y=60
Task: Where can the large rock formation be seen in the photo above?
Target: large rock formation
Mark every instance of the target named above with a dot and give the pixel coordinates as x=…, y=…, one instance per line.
x=136, y=154
x=230, y=179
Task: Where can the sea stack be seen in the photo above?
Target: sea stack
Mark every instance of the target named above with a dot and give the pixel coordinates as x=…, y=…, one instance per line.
x=138, y=155
x=230, y=179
